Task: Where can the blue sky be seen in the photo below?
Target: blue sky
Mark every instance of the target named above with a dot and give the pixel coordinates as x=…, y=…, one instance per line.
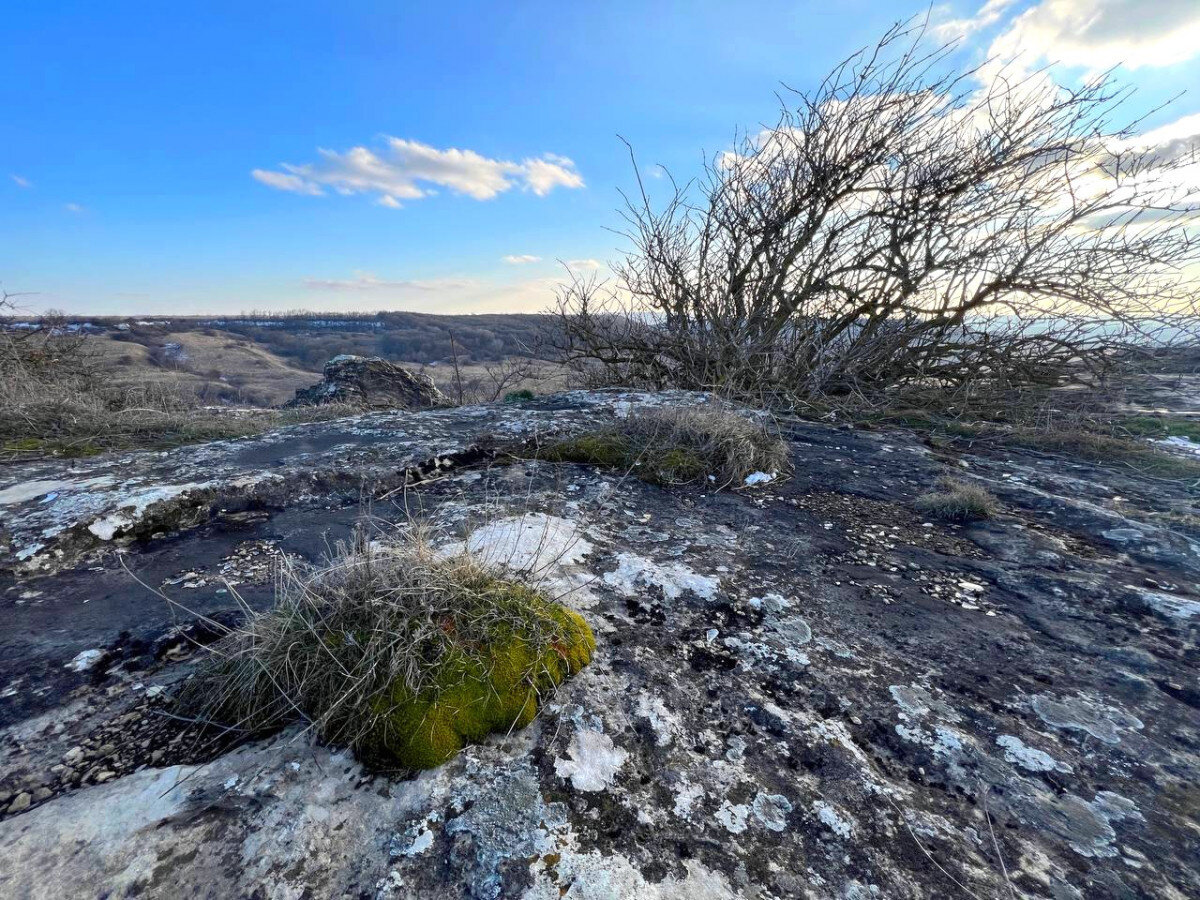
x=165, y=158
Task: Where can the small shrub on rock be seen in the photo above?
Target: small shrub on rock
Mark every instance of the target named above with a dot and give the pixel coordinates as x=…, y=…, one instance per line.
x=520, y=396
x=957, y=501
x=395, y=651
x=678, y=445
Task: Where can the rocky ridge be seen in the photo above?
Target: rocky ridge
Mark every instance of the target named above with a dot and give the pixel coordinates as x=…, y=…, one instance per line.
x=803, y=689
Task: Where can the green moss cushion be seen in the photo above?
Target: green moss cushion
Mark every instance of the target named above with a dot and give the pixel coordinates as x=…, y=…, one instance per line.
x=477, y=690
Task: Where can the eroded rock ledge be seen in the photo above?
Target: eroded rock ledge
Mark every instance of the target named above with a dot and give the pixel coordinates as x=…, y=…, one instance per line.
x=801, y=690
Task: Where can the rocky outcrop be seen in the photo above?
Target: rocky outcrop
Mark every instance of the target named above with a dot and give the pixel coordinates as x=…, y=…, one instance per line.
x=370, y=383
x=800, y=690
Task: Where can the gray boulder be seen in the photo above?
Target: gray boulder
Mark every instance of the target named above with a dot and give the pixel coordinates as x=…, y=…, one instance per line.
x=370, y=382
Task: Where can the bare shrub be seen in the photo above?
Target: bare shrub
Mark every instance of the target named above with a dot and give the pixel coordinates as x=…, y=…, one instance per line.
x=678, y=445
x=902, y=228
x=393, y=650
x=956, y=500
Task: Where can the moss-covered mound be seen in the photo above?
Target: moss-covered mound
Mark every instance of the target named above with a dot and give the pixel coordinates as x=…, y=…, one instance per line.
x=679, y=446
x=395, y=652
x=480, y=687
x=674, y=465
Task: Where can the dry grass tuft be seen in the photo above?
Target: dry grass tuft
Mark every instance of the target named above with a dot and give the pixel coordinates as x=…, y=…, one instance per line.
x=957, y=501
x=393, y=650
x=679, y=445
x=73, y=414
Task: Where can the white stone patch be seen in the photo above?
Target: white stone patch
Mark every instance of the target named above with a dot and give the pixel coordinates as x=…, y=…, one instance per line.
x=1029, y=758
x=85, y=661
x=534, y=543
x=733, y=816
x=132, y=508
x=1180, y=443
x=593, y=763
x=19, y=493
x=1172, y=605
x=636, y=573
x=834, y=819
x=421, y=844
x=755, y=478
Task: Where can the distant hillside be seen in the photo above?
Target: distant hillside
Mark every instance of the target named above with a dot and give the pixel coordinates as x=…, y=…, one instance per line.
x=262, y=358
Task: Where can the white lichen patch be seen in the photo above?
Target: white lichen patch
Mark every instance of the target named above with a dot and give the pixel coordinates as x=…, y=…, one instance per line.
x=597, y=876
x=1029, y=758
x=686, y=795
x=1101, y=721
x=837, y=821
x=733, y=816
x=593, y=761
x=636, y=573
x=771, y=810
x=665, y=724
x=915, y=701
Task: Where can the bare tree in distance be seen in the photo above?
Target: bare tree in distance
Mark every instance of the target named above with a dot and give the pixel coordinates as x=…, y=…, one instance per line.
x=903, y=225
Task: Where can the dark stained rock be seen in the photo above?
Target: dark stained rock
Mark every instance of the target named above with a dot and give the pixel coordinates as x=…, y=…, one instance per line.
x=370, y=383
x=804, y=690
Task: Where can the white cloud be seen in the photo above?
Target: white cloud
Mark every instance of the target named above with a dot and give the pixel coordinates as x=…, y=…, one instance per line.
x=404, y=169
x=584, y=265
x=989, y=14
x=1092, y=34
x=73, y=208
x=22, y=182
x=520, y=259
x=1177, y=141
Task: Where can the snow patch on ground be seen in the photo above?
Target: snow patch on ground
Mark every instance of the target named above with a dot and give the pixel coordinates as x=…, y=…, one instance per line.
x=85, y=660
x=533, y=543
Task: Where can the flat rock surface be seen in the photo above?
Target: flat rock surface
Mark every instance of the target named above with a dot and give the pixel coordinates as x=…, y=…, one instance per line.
x=803, y=689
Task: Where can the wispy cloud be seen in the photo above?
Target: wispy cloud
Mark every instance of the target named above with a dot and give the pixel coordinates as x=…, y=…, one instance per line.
x=364, y=291
x=365, y=281
x=584, y=265
x=520, y=259
x=21, y=182
x=988, y=15
x=73, y=208
x=403, y=169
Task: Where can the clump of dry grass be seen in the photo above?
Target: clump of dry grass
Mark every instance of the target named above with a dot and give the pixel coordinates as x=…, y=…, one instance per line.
x=72, y=412
x=957, y=501
x=678, y=445
x=393, y=650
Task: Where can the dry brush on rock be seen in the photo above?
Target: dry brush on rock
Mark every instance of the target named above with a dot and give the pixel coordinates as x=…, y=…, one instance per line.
x=904, y=226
